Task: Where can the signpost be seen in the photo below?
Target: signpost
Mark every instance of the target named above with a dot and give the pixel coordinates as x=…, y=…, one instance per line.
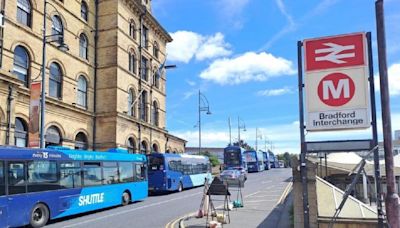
x=339, y=95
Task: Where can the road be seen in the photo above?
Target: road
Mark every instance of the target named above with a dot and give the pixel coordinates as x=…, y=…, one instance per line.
x=157, y=211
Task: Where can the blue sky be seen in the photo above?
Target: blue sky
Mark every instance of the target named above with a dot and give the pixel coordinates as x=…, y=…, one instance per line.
x=242, y=55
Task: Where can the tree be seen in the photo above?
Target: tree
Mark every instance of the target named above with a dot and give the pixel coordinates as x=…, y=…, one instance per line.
x=213, y=158
x=243, y=144
x=287, y=158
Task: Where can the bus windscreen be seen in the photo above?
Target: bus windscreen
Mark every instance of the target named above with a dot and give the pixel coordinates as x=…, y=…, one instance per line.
x=251, y=157
x=156, y=164
x=232, y=158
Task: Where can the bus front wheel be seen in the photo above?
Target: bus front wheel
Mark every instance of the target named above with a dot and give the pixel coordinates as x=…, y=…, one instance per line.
x=126, y=198
x=39, y=216
x=180, y=187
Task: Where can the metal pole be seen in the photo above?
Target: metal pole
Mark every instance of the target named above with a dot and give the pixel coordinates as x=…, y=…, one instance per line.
x=43, y=93
x=256, y=138
x=303, y=167
x=377, y=172
x=199, y=122
x=238, y=132
x=392, y=199
x=230, y=132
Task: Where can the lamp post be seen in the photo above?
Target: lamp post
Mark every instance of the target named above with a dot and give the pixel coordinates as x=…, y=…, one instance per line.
x=61, y=46
x=243, y=126
x=204, y=106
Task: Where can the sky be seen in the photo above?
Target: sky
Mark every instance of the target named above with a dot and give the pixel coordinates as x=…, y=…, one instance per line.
x=242, y=56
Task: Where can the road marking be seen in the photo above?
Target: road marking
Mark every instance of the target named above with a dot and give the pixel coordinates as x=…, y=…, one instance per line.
x=258, y=201
x=261, y=196
x=130, y=210
x=252, y=194
x=285, y=193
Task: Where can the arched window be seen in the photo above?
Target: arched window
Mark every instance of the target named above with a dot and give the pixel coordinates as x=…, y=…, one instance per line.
x=143, y=106
x=81, y=142
x=143, y=147
x=82, y=91
x=83, y=46
x=155, y=148
x=144, y=69
x=21, y=64
x=156, y=50
x=132, y=62
x=155, y=114
x=156, y=78
x=84, y=11
x=131, y=105
x=131, y=145
x=24, y=12
x=132, y=29
x=21, y=133
x=55, y=80
x=53, y=136
x=57, y=29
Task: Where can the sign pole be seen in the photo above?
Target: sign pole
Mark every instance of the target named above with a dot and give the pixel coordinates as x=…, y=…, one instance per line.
x=303, y=167
x=392, y=199
x=374, y=133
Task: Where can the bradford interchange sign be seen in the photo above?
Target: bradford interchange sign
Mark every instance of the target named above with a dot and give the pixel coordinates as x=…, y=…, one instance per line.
x=336, y=83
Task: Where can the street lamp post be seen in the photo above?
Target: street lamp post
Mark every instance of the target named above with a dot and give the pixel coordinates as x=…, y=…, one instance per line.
x=63, y=47
x=204, y=106
x=243, y=126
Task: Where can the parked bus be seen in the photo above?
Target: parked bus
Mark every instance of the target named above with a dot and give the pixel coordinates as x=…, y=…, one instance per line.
x=273, y=160
x=281, y=164
x=37, y=185
x=234, y=158
x=267, y=164
x=255, y=161
x=175, y=172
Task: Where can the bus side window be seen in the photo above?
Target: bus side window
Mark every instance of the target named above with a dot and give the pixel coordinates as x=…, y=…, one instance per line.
x=126, y=172
x=16, y=178
x=140, y=172
x=92, y=174
x=70, y=175
x=2, y=181
x=42, y=176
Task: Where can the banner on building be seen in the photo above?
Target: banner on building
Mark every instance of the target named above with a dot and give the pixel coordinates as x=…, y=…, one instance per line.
x=34, y=112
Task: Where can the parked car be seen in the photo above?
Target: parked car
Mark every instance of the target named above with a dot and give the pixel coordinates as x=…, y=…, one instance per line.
x=233, y=176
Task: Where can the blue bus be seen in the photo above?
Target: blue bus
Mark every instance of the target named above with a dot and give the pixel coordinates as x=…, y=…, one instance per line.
x=255, y=161
x=234, y=158
x=37, y=185
x=267, y=165
x=273, y=160
x=175, y=172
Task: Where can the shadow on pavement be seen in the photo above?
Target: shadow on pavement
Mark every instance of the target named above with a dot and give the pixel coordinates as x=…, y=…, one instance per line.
x=279, y=216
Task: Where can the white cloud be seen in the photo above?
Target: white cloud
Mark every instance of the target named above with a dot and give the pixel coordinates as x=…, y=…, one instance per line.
x=187, y=45
x=275, y=92
x=250, y=66
x=394, y=80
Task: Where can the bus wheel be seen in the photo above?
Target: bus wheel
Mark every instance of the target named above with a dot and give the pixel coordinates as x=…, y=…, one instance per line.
x=39, y=216
x=180, y=187
x=126, y=198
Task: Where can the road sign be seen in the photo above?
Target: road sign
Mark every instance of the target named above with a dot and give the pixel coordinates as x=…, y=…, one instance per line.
x=334, y=52
x=336, y=83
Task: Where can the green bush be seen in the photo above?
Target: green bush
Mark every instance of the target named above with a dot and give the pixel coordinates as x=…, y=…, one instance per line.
x=213, y=159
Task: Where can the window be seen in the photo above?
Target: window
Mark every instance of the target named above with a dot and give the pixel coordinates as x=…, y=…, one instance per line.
x=42, y=176
x=92, y=174
x=156, y=50
x=144, y=69
x=143, y=147
x=57, y=29
x=82, y=92
x=143, y=106
x=84, y=11
x=55, y=80
x=125, y=172
x=132, y=62
x=131, y=145
x=156, y=163
x=83, y=46
x=24, y=12
x=21, y=64
x=70, y=175
x=155, y=114
x=132, y=30
x=53, y=136
x=131, y=105
x=21, y=133
x=81, y=142
x=2, y=181
x=140, y=172
x=155, y=148
x=16, y=178
x=110, y=170
x=156, y=79
x=145, y=36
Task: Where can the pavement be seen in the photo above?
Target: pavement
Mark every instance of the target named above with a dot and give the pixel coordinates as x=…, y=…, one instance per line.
x=269, y=207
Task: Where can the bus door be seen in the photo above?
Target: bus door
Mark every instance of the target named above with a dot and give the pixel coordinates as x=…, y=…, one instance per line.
x=16, y=200
x=156, y=172
x=3, y=198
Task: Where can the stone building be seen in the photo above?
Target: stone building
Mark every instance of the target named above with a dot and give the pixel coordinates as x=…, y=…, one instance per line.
x=108, y=90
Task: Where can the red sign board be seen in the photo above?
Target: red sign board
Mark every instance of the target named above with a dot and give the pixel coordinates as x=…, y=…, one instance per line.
x=335, y=52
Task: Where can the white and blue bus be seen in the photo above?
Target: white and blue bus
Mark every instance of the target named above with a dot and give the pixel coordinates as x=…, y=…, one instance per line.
x=255, y=161
x=175, y=172
x=266, y=160
x=37, y=185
